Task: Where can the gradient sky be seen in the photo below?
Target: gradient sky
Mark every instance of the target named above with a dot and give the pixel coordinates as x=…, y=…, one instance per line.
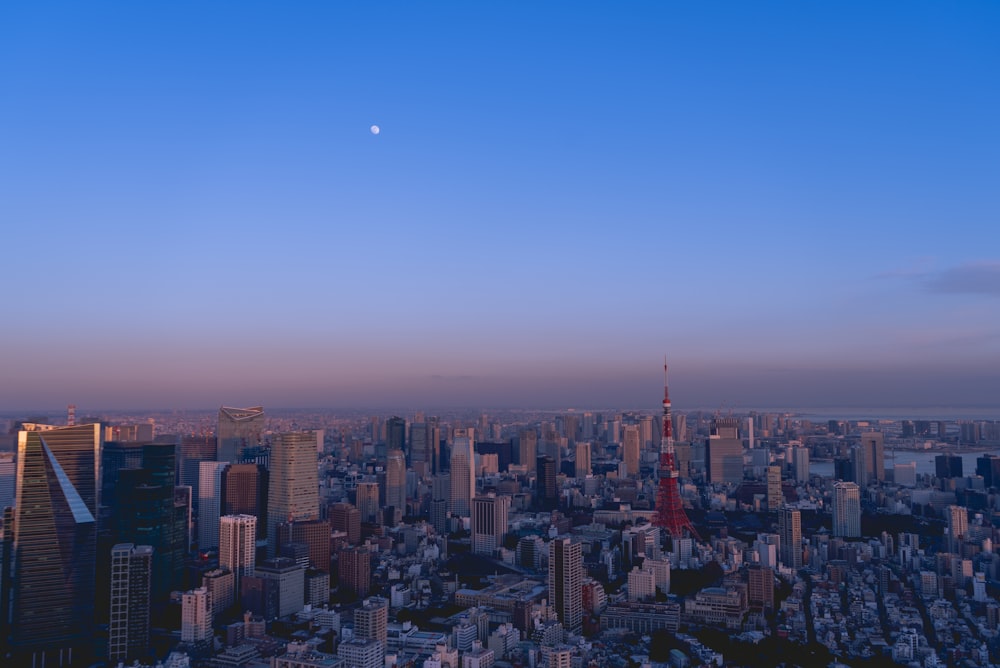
x=798, y=202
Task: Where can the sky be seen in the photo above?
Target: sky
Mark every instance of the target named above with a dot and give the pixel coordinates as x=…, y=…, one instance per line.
x=797, y=203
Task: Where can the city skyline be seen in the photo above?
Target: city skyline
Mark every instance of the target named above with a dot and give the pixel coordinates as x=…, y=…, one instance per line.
x=794, y=203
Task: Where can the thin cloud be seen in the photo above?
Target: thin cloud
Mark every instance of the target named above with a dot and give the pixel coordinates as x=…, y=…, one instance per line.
x=919, y=268
x=971, y=278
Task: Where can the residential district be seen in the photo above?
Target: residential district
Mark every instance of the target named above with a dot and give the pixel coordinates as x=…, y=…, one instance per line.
x=297, y=539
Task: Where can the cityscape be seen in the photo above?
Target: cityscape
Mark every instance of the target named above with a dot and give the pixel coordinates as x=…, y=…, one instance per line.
x=312, y=539
x=333, y=334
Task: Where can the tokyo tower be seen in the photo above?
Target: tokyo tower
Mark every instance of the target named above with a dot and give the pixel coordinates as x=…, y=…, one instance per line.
x=670, y=513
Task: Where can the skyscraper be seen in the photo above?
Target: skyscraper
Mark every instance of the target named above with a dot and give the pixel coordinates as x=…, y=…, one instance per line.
x=846, y=510
x=800, y=464
x=244, y=492
x=367, y=501
x=774, y=495
x=395, y=481
x=293, y=486
x=566, y=582
x=237, y=545
x=194, y=450
x=209, y=502
x=948, y=466
x=55, y=534
x=873, y=449
x=630, y=449
x=354, y=570
x=131, y=586
x=582, y=459
x=527, y=448
x=395, y=434
x=345, y=517
x=725, y=452
x=958, y=527
x=463, y=472
x=239, y=428
x=790, y=537
x=548, y=490
x=489, y=523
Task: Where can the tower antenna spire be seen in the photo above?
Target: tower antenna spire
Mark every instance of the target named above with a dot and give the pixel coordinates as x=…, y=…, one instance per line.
x=670, y=513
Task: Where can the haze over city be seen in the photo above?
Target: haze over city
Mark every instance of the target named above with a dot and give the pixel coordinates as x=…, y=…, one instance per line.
x=796, y=203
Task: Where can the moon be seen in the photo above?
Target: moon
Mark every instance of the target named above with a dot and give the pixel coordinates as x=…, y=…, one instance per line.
x=376, y=129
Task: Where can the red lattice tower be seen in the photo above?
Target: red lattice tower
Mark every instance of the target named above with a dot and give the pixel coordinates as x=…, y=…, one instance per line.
x=670, y=513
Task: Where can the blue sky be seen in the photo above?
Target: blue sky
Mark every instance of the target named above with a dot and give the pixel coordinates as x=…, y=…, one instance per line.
x=797, y=202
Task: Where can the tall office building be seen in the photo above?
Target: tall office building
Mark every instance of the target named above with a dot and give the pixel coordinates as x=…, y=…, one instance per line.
x=345, y=517
x=725, y=452
x=630, y=449
x=354, y=570
x=547, y=487
x=463, y=472
x=195, y=449
x=239, y=428
x=846, y=510
x=790, y=537
x=131, y=587
x=775, y=498
x=367, y=501
x=314, y=535
x=293, y=485
x=800, y=464
x=244, y=492
x=583, y=459
x=238, y=545
x=395, y=481
x=958, y=527
x=421, y=456
x=209, y=502
x=760, y=587
x=566, y=582
x=371, y=620
x=527, y=448
x=55, y=542
x=873, y=448
x=196, y=616
x=395, y=434
x=489, y=523
x=948, y=466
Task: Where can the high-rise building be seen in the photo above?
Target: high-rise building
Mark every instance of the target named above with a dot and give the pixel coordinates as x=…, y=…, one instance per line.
x=314, y=535
x=209, y=503
x=239, y=428
x=774, y=496
x=237, y=545
x=131, y=582
x=367, y=501
x=421, y=454
x=287, y=578
x=948, y=466
x=489, y=523
x=293, y=484
x=630, y=449
x=395, y=434
x=196, y=616
x=345, y=517
x=194, y=450
x=724, y=452
x=371, y=619
x=583, y=459
x=244, y=492
x=761, y=587
x=566, y=582
x=221, y=586
x=846, y=510
x=354, y=570
x=395, y=481
x=527, y=448
x=800, y=464
x=958, y=527
x=55, y=543
x=463, y=472
x=790, y=537
x=548, y=490
x=873, y=450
